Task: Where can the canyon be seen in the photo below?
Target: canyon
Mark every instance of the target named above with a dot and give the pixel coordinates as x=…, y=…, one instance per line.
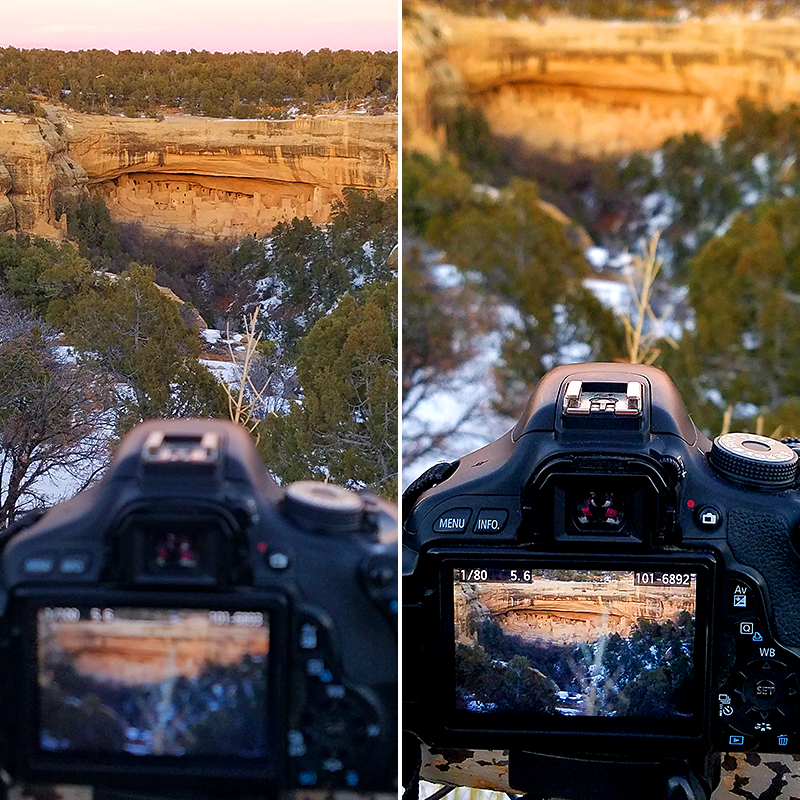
x=135, y=652
x=577, y=612
x=576, y=86
x=210, y=178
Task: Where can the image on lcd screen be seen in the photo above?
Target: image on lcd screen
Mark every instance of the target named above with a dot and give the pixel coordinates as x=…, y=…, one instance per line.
x=152, y=682
x=574, y=643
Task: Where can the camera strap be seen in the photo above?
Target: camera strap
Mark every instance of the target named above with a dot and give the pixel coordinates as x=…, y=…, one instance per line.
x=430, y=478
x=410, y=765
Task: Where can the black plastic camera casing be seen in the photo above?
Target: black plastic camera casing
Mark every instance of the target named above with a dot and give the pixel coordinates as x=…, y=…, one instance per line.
x=187, y=622
x=604, y=517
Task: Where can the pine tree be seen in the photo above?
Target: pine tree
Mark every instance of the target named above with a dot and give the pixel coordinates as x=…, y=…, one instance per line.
x=345, y=429
x=744, y=348
x=134, y=334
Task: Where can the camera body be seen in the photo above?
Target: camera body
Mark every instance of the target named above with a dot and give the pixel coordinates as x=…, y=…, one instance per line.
x=187, y=622
x=603, y=581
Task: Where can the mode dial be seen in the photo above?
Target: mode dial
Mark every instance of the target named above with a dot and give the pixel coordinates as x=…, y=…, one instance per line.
x=754, y=461
x=324, y=508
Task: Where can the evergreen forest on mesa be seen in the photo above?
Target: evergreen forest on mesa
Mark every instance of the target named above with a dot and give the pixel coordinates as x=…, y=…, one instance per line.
x=242, y=85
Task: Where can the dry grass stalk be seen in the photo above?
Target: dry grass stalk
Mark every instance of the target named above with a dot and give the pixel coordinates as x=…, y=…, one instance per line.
x=242, y=405
x=726, y=419
x=641, y=346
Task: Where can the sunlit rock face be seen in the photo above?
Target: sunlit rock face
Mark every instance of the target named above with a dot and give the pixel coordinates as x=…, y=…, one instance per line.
x=148, y=651
x=8, y=217
x=38, y=179
x=205, y=177
x=592, y=87
x=566, y=613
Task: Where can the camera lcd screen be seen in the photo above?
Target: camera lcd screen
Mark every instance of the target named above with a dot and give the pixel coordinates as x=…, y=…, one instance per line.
x=575, y=642
x=152, y=681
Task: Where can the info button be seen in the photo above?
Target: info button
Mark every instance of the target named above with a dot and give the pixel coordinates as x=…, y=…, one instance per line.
x=491, y=520
x=453, y=521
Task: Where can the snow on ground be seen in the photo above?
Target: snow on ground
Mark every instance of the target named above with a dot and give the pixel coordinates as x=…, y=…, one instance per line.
x=223, y=371
x=468, y=396
x=598, y=257
x=660, y=209
x=615, y=295
x=65, y=354
x=447, y=276
x=211, y=335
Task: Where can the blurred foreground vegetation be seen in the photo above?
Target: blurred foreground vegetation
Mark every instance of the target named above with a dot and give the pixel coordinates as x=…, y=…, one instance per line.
x=724, y=314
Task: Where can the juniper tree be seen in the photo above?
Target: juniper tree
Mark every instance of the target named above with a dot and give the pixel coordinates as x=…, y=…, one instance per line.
x=134, y=334
x=345, y=428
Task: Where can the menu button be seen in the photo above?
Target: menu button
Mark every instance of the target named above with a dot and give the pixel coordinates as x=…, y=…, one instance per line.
x=39, y=565
x=453, y=521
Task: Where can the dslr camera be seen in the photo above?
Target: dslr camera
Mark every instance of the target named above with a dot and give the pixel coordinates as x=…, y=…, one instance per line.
x=188, y=624
x=605, y=593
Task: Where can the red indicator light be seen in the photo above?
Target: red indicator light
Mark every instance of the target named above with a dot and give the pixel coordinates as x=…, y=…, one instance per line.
x=261, y=547
x=690, y=504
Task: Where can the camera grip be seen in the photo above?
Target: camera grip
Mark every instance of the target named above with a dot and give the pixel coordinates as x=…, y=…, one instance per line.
x=762, y=541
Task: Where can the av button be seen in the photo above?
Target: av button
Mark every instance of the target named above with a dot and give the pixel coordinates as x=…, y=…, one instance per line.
x=743, y=596
x=491, y=520
x=453, y=521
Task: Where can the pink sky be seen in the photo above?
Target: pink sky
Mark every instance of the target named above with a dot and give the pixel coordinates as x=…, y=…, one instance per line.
x=224, y=25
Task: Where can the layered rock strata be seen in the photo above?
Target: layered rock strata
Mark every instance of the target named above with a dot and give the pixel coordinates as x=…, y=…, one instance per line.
x=205, y=177
x=38, y=179
x=572, y=85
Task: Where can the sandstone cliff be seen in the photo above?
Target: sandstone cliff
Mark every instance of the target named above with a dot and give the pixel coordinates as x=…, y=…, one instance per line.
x=38, y=179
x=593, y=87
x=579, y=612
x=135, y=652
x=207, y=177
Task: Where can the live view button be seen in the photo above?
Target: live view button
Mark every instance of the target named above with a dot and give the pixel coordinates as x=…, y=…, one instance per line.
x=491, y=520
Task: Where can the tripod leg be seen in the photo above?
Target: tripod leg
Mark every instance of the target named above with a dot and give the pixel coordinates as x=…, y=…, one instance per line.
x=684, y=787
